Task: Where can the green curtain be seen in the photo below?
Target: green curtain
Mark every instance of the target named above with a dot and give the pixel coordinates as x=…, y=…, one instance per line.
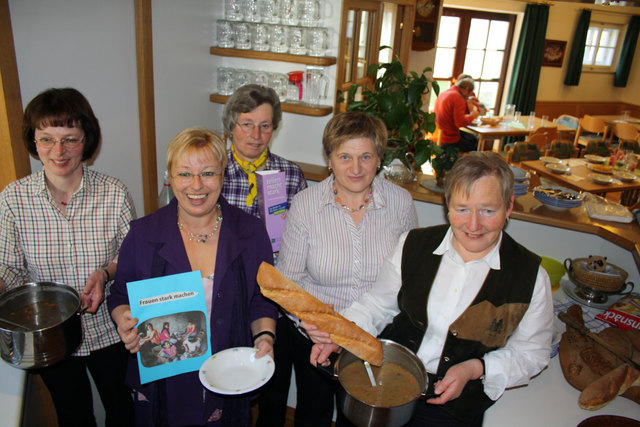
x=626, y=54
x=577, y=50
x=523, y=87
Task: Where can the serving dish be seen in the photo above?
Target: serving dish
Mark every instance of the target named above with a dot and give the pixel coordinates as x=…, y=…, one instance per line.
x=592, y=158
x=519, y=174
x=599, y=168
x=601, y=179
x=236, y=371
x=558, y=198
x=624, y=176
x=490, y=121
x=558, y=168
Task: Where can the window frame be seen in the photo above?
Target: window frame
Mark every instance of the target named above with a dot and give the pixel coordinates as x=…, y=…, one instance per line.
x=606, y=69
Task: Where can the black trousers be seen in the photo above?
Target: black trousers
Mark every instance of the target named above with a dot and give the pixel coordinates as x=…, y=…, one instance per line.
x=315, y=389
x=70, y=388
x=467, y=142
x=426, y=415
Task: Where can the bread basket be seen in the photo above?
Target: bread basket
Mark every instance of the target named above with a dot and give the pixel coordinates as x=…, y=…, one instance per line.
x=491, y=121
x=612, y=279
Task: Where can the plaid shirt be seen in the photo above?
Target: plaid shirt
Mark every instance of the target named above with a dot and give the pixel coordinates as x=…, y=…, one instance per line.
x=236, y=185
x=39, y=243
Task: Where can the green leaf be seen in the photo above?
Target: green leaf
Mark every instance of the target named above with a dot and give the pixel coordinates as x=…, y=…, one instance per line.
x=423, y=152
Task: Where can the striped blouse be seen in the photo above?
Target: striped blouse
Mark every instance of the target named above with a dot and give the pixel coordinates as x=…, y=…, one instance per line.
x=325, y=253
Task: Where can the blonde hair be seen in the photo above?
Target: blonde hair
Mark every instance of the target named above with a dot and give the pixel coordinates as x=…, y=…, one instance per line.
x=196, y=138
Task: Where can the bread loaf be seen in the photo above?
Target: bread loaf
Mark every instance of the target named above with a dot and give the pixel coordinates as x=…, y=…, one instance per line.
x=606, y=388
x=306, y=307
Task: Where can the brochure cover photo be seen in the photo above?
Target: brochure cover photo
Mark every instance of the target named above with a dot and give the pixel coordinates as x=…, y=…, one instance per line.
x=173, y=328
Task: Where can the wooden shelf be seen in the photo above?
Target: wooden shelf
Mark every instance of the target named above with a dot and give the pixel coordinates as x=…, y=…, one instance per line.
x=304, y=109
x=273, y=56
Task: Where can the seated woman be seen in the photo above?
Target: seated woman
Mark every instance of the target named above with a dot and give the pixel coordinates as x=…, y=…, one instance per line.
x=474, y=305
x=335, y=238
x=197, y=231
x=65, y=224
x=250, y=116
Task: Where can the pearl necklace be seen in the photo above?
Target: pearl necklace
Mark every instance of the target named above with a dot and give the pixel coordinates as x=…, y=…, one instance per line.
x=350, y=209
x=202, y=238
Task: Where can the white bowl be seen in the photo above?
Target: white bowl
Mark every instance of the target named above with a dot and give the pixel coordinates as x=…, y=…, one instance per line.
x=546, y=160
x=592, y=158
x=558, y=168
x=601, y=179
x=236, y=371
x=625, y=176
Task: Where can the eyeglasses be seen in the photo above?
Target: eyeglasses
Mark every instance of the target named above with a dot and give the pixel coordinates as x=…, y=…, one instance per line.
x=68, y=142
x=248, y=127
x=206, y=177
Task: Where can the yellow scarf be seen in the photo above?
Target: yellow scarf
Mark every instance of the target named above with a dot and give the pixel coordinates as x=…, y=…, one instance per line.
x=250, y=169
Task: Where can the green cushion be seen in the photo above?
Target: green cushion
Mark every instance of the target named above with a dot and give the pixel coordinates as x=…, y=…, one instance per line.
x=597, y=147
x=525, y=151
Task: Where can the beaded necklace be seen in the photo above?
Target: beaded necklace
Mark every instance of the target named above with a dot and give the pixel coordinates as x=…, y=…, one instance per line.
x=202, y=238
x=350, y=209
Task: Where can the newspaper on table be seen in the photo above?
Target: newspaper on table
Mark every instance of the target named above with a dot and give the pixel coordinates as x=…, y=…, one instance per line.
x=173, y=327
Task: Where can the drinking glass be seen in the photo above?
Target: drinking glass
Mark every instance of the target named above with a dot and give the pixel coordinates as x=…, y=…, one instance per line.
x=261, y=78
x=309, y=12
x=316, y=85
x=532, y=120
x=297, y=40
x=278, y=38
x=242, y=34
x=225, y=80
x=509, y=111
x=288, y=12
x=279, y=82
x=317, y=41
x=625, y=116
x=233, y=10
x=225, y=34
x=260, y=37
x=516, y=116
x=242, y=77
x=250, y=11
x=269, y=11
x=545, y=121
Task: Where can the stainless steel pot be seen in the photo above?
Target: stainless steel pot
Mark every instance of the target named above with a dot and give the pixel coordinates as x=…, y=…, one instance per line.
x=39, y=324
x=366, y=415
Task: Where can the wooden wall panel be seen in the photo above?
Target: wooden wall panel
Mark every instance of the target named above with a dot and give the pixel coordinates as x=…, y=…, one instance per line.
x=554, y=109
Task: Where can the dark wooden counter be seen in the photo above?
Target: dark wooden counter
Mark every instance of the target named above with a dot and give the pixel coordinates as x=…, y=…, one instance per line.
x=527, y=208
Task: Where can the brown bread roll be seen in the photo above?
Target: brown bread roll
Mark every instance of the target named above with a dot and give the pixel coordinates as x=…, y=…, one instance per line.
x=306, y=307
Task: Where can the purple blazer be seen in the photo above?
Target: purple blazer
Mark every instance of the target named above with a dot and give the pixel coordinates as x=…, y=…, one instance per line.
x=153, y=247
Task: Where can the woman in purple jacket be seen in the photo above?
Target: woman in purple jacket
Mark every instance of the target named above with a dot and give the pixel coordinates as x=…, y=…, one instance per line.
x=198, y=230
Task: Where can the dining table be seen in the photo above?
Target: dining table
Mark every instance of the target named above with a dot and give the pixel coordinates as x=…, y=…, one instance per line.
x=612, y=119
x=509, y=127
x=579, y=177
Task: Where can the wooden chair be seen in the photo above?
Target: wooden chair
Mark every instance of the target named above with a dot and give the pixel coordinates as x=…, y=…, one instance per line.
x=561, y=149
x=630, y=146
x=570, y=122
x=523, y=150
x=543, y=136
x=625, y=133
x=600, y=148
x=590, y=129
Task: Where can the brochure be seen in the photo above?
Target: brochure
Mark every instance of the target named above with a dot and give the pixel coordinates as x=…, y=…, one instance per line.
x=173, y=328
x=272, y=201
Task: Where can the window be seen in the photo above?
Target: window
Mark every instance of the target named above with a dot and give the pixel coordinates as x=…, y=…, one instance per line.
x=365, y=26
x=601, y=48
x=475, y=43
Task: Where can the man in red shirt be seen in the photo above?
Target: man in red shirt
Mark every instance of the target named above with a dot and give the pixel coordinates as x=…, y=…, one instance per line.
x=451, y=114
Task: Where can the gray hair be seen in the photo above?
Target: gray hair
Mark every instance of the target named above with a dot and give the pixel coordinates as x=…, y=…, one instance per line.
x=246, y=99
x=466, y=83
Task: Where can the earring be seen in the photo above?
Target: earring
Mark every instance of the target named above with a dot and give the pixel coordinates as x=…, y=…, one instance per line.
x=330, y=169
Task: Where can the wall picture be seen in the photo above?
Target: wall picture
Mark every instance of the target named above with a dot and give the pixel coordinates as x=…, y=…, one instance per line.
x=553, y=54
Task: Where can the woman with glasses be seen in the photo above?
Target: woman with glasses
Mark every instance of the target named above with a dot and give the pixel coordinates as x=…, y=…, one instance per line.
x=250, y=117
x=65, y=224
x=197, y=231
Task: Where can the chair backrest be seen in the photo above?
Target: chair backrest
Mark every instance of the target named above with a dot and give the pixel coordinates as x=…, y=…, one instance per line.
x=600, y=148
x=549, y=133
x=539, y=139
x=568, y=121
x=560, y=149
x=625, y=131
x=593, y=125
x=524, y=150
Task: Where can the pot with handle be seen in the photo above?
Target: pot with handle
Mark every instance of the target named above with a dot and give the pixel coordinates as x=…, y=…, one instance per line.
x=39, y=324
x=365, y=414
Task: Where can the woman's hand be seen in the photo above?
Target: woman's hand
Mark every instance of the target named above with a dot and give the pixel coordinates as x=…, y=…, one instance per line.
x=264, y=344
x=315, y=334
x=320, y=353
x=93, y=293
x=450, y=387
x=126, y=326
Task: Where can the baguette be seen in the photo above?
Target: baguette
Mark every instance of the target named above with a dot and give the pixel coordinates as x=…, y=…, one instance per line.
x=606, y=388
x=306, y=307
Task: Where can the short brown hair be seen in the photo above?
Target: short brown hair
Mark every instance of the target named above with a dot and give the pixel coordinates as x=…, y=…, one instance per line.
x=246, y=99
x=351, y=125
x=61, y=107
x=196, y=138
x=475, y=165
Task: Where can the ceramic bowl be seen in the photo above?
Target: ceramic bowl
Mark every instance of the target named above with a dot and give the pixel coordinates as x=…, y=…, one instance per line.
x=592, y=158
x=558, y=168
x=625, y=176
x=601, y=179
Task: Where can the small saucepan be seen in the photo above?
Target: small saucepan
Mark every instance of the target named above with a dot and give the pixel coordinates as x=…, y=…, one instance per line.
x=401, y=381
x=39, y=324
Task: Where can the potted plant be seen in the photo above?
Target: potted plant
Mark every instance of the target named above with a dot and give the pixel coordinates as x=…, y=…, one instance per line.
x=442, y=161
x=397, y=99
